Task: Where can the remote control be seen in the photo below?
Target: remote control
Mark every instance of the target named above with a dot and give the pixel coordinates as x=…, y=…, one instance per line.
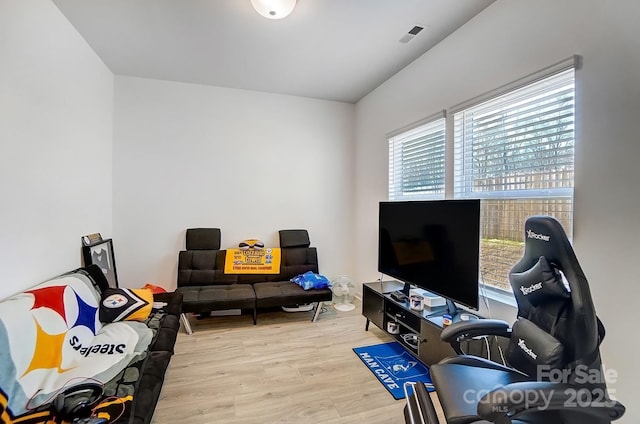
x=399, y=296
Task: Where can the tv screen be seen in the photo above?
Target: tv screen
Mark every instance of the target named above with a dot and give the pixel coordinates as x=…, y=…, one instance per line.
x=434, y=245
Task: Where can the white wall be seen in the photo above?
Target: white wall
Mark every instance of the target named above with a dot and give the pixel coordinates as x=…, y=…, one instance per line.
x=249, y=163
x=56, y=110
x=509, y=40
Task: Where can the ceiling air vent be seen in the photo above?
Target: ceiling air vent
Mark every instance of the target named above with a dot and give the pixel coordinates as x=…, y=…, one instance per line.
x=411, y=34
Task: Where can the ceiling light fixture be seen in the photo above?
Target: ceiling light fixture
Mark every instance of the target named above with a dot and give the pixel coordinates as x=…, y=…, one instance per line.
x=274, y=9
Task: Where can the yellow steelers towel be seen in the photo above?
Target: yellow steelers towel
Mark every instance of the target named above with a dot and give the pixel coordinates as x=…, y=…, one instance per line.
x=252, y=261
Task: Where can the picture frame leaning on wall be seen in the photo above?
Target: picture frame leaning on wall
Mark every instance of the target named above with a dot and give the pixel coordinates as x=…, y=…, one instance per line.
x=101, y=254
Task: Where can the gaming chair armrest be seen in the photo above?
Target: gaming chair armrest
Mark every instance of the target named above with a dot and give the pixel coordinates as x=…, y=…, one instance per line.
x=461, y=330
x=515, y=400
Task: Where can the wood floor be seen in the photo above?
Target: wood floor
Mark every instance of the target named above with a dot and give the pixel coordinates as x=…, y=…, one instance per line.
x=286, y=369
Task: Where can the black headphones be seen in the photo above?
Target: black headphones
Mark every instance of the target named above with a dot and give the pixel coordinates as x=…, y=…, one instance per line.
x=76, y=401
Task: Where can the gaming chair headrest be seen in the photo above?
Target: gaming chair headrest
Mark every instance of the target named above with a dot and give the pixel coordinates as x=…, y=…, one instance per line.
x=544, y=236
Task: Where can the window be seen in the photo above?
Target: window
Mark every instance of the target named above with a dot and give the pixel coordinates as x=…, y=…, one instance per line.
x=515, y=152
x=416, y=162
x=512, y=148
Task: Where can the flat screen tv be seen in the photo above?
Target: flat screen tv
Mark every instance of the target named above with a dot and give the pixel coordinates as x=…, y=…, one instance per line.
x=434, y=245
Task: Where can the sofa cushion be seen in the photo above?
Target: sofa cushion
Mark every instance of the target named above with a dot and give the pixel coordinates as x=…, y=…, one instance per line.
x=203, y=239
x=295, y=261
x=125, y=305
x=203, y=267
x=252, y=278
x=149, y=387
x=294, y=238
x=164, y=321
x=134, y=392
x=210, y=298
x=173, y=302
x=165, y=330
x=279, y=293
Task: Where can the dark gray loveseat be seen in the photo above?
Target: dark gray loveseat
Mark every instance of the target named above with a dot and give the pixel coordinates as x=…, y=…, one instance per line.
x=205, y=287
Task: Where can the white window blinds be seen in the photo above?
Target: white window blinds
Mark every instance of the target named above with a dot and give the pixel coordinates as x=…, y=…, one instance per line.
x=519, y=144
x=516, y=153
x=417, y=162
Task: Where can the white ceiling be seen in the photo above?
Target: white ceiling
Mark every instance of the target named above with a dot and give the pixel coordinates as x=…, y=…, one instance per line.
x=326, y=49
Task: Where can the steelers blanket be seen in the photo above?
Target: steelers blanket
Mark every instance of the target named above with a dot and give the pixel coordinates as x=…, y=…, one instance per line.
x=51, y=337
x=252, y=261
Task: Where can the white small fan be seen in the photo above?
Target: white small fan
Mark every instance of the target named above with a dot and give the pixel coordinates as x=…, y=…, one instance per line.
x=343, y=293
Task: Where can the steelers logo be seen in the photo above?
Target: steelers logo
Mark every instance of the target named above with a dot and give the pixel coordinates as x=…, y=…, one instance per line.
x=251, y=244
x=114, y=301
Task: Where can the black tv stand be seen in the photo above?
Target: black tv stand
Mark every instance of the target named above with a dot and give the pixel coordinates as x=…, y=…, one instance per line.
x=419, y=334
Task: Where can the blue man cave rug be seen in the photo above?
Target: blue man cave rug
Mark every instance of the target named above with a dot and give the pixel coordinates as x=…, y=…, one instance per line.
x=393, y=366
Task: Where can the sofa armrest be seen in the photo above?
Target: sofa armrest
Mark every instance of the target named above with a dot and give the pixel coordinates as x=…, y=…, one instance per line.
x=173, y=301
